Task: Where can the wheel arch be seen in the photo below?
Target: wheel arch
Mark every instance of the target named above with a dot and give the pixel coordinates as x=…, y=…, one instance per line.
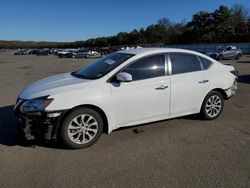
x=94, y=107
x=221, y=91
x=203, y=112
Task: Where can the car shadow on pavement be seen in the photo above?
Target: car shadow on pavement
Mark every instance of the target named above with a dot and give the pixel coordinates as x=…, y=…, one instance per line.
x=9, y=135
x=243, y=62
x=8, y=127
x=244, y=79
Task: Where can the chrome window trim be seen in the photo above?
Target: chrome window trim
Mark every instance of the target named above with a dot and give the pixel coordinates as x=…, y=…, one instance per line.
x=199, y=58
x=166, y=64
x=201, y=65
x=169, y=64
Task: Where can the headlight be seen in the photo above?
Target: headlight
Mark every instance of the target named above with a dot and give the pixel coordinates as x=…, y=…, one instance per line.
x=35, y=105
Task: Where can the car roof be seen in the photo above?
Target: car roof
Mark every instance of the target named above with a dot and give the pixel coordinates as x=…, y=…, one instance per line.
x=151, y=51
x=155, y=50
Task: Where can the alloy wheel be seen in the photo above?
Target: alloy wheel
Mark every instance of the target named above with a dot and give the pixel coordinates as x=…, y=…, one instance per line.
x=82, y=129
x=213, y=106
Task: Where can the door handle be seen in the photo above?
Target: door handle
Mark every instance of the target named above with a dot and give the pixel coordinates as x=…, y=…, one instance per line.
x=161, y=87
x=203, y=81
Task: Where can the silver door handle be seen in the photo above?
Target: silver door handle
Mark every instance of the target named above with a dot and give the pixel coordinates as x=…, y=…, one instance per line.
x=161, y=87
x=203, y=81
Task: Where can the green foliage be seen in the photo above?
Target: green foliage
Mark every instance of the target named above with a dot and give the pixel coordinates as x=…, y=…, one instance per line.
x=222, y=25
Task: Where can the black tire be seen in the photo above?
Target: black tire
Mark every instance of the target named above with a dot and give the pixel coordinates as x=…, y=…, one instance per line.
x=204, y=113
x=220, y=57
x=66, y=123
x=238, y=56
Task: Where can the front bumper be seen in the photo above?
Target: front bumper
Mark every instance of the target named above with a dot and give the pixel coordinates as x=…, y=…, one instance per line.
x=40, y=125
x=214, y=56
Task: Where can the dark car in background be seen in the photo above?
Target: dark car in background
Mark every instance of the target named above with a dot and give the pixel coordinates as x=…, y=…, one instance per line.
x=20, y=52
x=44, y=51
x=226, y=52
x=32, y=51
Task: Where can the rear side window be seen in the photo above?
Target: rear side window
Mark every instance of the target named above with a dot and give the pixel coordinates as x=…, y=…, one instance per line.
x=228, y=48
x=148, y=67
x=184, y=63
x=205, y=62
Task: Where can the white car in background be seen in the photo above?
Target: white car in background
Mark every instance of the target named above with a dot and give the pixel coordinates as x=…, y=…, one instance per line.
x=122, y=89
x=83, y=53
x=93, y=53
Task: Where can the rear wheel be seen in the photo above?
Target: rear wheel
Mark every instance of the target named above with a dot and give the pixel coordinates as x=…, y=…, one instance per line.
x=212, y=105
x=81, y=128
x=220, y=57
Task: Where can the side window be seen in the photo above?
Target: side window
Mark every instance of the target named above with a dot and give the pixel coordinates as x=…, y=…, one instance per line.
x=228, y=48
x=148, y=67
x=205, y=62
x=184, y=62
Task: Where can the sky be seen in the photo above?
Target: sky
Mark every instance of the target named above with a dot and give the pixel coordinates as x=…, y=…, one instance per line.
x=72, y=20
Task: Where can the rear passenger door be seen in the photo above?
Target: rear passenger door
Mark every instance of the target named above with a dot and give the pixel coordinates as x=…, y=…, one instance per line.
x=189, y=83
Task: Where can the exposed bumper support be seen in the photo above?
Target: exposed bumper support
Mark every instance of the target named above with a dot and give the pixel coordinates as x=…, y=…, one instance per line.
x=42, y=127
x=231, y=91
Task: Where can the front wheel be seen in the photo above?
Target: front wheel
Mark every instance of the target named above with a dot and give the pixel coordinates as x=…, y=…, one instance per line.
x=212, y=105
x=238, y=56
x=81, y=128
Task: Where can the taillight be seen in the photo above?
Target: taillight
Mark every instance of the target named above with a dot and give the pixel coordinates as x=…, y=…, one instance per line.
x=235, y=73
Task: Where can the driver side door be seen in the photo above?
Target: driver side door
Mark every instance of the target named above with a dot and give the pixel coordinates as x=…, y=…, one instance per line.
x=147, y=97
x=228, y=52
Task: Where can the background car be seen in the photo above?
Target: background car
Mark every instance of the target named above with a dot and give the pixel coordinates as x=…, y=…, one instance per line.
x=83, y=53
x=44, y=51
x=32, y=51
x=20, y=52
x=66, y=53
x=226, y=53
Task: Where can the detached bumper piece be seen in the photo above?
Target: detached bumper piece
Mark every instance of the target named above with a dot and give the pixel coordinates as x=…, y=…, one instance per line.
x=39, y=126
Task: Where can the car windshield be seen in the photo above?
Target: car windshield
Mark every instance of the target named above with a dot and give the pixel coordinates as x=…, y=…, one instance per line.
x=102, y=66
x=220, y=48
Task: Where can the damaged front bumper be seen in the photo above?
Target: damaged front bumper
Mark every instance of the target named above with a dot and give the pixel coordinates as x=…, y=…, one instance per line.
x=38, y=125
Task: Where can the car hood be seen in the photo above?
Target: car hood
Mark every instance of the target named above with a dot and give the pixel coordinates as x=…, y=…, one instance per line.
x=212, y=53
x=52, y=85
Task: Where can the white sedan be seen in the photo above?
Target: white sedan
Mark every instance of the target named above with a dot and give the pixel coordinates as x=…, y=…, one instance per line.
x=122, y=89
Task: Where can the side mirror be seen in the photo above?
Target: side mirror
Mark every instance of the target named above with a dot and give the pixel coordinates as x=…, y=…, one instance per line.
x=124, y=77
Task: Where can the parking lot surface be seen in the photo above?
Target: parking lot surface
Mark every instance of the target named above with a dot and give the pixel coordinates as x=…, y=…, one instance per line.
x=181, y=152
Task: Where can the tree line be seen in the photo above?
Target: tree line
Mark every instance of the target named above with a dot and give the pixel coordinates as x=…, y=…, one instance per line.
x=220, y=26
